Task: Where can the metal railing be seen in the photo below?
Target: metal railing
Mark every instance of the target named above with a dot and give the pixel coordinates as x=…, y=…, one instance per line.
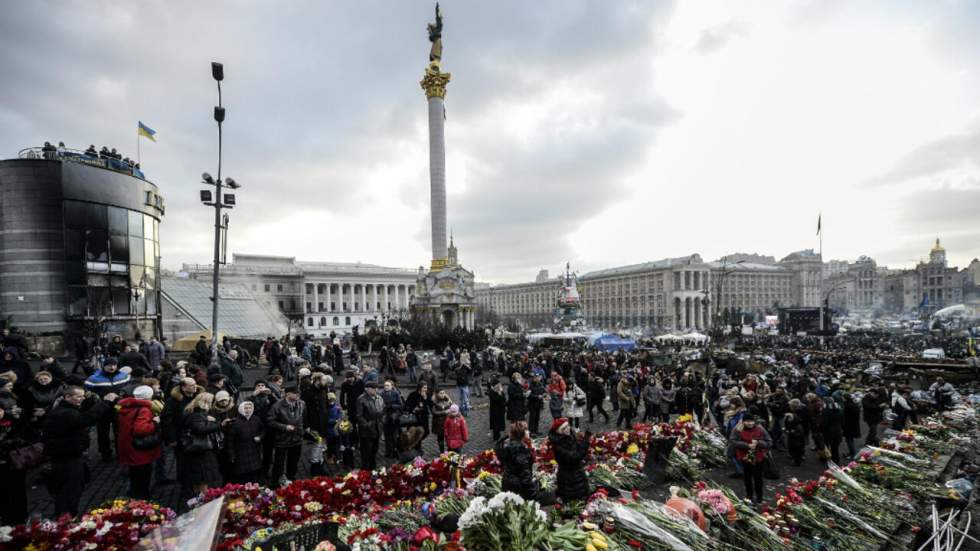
x=82, y=157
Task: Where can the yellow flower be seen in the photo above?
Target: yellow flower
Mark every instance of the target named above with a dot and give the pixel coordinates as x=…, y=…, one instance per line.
x=633, y=449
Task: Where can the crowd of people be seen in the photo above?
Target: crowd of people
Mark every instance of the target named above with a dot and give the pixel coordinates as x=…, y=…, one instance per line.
x=113, y=159
x=346, y=411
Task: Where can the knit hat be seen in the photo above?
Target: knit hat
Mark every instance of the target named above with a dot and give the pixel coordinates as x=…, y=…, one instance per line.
x=110, y=361
x=222, y=395
x=143, y=392
x=453, y=409
x=331, y=397
x=304, y=372
x=557, y=423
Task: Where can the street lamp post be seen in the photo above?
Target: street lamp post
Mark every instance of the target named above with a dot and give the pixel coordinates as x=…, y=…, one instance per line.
x=219, y=201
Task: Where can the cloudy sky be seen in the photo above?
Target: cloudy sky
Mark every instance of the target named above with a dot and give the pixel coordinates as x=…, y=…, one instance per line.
x=603, y=133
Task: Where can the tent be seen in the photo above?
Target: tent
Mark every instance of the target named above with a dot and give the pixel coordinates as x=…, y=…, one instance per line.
x=612, y=343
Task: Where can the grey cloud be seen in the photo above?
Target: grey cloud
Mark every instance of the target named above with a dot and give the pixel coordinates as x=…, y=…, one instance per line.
x=934, y=158
x=320, y=94
x=715, y=38
x=943, y=209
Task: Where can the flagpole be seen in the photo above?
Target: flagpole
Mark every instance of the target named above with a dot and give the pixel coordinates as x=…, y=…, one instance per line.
x=138, y=155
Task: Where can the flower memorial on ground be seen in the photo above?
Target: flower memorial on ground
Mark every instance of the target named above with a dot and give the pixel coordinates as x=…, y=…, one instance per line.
x=456, y=502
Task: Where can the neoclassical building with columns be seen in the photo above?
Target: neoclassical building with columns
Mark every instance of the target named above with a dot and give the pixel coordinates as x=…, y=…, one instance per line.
x=327, y=296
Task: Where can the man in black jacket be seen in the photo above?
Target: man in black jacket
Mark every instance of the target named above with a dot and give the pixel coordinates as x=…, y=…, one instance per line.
x=370, y=411
x=66, y=437
x=535, y=403
x=285, y=420
x=873, y=403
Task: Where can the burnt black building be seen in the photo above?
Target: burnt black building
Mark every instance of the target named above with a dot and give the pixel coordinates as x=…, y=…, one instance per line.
x=79, y=245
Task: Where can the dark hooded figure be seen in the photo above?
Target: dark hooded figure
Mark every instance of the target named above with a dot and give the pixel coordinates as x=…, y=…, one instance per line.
x=570, y=449
x=516, y=460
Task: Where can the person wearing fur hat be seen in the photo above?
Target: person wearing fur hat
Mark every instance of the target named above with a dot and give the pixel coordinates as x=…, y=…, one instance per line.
x=225, y=413
x=440, y=410
x=570, y=447
x=44, y=391
x=138, y=443
x=172, y=419
x=457, y=432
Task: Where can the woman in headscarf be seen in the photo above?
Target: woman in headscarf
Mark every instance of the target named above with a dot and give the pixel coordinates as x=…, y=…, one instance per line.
x=245, y=444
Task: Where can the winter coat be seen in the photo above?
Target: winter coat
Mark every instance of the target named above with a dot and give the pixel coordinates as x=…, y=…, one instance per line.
x=231, y=370
x=244, y=453
x=315, y=398
x=334, y=415
x=66, y=434
x=667, y=396
x=624, y=393
x=456, y=431
x=741, y=439
x=574, y=402
x=516, y=402
x=43, y=397
x=172, y=418
x=873, y=410
x=201, y=467
x=440, y=410
x=570, y=453
x=463, y=374
x=429, y=377
x=134, y=360
x=535, y=401
x=516, y=462
x=393, y=404
x=284, y=414
x=155, y=353
x=597, y=392
x=794, y=427
x=135, y=418
x=832, y=422
x=852, y=419
x=370, y=413
x=498, y=409
x=420, y=407
x=651, y=396
x=102, y=383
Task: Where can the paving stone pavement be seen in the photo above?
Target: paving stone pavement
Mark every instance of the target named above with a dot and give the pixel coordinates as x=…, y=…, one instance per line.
x=109, y=480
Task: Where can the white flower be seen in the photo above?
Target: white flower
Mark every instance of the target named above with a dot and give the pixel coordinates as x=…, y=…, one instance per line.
x=105, y=529
x=5, y=532
x=501, y=499
x=471, y=516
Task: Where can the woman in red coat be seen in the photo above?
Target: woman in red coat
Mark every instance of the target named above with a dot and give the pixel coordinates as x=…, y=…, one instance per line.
x=137, y=420
x=457, y=433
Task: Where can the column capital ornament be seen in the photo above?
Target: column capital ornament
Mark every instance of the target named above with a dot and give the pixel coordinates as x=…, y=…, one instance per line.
x=434, y=82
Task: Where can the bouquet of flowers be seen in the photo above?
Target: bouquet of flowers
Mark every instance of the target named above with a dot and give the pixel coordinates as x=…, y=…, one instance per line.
x=117, y=524
x=735, y=522
x=504, y=523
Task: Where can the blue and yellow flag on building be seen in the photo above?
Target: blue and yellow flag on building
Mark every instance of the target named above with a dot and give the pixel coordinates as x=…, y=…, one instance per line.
x=146, y=131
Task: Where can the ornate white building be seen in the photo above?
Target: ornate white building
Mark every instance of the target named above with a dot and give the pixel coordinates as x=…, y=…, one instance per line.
x=326, y=296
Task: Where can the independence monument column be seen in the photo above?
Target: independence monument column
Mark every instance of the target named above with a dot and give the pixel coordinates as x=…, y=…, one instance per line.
x=434, y=83
x=444, y=293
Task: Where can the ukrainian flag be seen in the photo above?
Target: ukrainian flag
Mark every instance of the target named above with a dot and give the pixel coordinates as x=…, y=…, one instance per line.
x=146, y=131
